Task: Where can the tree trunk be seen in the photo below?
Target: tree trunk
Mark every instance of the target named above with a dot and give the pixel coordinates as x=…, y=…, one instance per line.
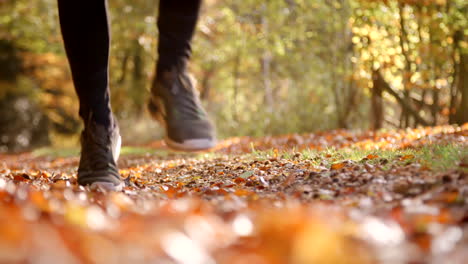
x=407, y=107
x=376, y=102
x=266, y=69
x=124, y=67
x=461, y=114
x=137, y=77
x=205, y=84
x=341, y=51
x=405, y=116
x=435, y=105
x=454, y=92
x=236, y=74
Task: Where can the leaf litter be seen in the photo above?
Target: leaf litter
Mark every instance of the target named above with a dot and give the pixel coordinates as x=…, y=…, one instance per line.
x=286, y=199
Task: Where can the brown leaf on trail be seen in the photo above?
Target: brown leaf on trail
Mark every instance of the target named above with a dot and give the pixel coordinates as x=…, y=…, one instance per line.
x=170, y=192
x=424, y=241
x=289, y=179
x=217, y=184
x=60, y=184
x=239, y=180
x=229, y=207
x=368, y=167
x=348, y=190
x=44, y=174
x=338, y=166
x=464, y=162
x=222, y=191
x=447, y=197
x=22, y=178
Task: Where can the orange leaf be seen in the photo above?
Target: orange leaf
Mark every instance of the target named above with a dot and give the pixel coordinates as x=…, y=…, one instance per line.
x=239, y=180
x=448, y=197
x=222, y=192
x=38, y=199
x=21, y=178
x=423, y=241
x=337, y=166
x=407, y=157
x=60, y=184
x=372, y=156
x=242, y=192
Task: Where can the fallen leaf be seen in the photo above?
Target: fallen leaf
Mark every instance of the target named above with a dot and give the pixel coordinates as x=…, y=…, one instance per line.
x=407, y=157
x=246, y=174
x=337, y=166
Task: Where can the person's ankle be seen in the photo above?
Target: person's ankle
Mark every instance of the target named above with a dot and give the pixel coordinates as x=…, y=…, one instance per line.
x=168, y=65
x=106, y=120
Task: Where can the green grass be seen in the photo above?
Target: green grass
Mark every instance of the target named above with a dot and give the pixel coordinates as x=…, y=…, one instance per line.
x=55, y=152
x=438, y=157
x=443, y=157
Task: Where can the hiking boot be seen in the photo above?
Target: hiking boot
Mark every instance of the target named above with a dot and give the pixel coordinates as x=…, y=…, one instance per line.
x=176, y=105
x=100, y=149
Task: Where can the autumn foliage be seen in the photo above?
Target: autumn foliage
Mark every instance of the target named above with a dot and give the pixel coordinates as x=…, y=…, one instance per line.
x=302, y=199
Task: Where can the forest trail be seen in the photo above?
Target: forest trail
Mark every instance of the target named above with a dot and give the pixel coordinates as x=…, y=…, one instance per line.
x=331, y=197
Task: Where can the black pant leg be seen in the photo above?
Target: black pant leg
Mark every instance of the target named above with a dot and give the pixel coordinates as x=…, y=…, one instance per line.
x=176, y=23
x=86, y=36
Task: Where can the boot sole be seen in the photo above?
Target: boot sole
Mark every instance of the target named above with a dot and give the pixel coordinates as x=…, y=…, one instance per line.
x=106, y=186
x=189, y=145
x=118, y=147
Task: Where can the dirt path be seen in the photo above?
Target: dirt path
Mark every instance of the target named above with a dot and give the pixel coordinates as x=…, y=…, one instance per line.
x=336, y=197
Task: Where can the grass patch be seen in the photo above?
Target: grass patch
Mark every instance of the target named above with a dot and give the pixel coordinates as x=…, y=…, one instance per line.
x=438, y=157
x=55, y=152
x=128, y=150
x=443, y=157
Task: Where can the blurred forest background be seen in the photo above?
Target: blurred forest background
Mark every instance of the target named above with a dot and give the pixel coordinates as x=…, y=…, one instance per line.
x=263, y=67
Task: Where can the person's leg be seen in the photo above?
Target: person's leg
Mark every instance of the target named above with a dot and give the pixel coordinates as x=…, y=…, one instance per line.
x=176, y=24
x=174, y=100
x=86, y=37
